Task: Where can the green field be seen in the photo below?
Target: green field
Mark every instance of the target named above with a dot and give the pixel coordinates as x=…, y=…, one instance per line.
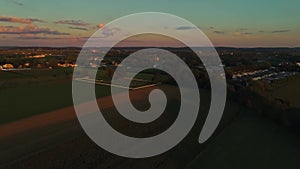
x=288, y=90
x=17, y=78
x=65, y=145
x=243, y=139
x=31, y=92
x=251, y=142
x=25, y=101
x=34, y=73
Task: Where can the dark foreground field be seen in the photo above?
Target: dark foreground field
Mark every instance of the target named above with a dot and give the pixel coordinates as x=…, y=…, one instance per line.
x=31, y=138
x=56, y=140
x=251, y=142
x=248, y=141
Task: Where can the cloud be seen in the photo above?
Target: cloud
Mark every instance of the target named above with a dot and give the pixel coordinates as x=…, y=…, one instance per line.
x=280, y=31
x=107, y=32
x=37, y=20
x=275, y=31
x=219, y=32
x=238, y=33
x=15, y=20
x=185, y=27
x=78, y=28
x=19, y=20
x=72, y=22
x=29, y=29
x=16, y=2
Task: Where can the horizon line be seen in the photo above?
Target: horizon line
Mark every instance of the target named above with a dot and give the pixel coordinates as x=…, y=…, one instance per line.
x=223, y=46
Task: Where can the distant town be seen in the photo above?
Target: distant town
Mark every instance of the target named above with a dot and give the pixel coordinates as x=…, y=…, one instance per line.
x=256, y=63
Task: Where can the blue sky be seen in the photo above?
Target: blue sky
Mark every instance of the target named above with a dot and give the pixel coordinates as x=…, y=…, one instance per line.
x=227, y=23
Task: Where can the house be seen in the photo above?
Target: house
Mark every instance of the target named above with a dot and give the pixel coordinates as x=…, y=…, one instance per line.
x=26, y=64
x=7, y=66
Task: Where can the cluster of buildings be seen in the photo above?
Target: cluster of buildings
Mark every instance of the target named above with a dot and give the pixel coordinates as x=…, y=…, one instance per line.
x=66, y=65
x=275, y=76
x=248, y=73
x=9, y=66
x=36, y=56
x=266, y=74
x=6, y=66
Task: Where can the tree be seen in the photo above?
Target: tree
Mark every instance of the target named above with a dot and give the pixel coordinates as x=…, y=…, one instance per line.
x=109, y=72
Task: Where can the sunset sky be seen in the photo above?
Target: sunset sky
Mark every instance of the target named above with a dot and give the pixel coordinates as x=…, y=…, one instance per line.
x=237, y=23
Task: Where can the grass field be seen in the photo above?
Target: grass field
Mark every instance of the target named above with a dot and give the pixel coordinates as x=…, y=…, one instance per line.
x=24, y=93
x=20, y=78
x=288, y=90
x=251, y=142
x=25, y=101
x=66, y=146
x=34, y=73
x=248, y=141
